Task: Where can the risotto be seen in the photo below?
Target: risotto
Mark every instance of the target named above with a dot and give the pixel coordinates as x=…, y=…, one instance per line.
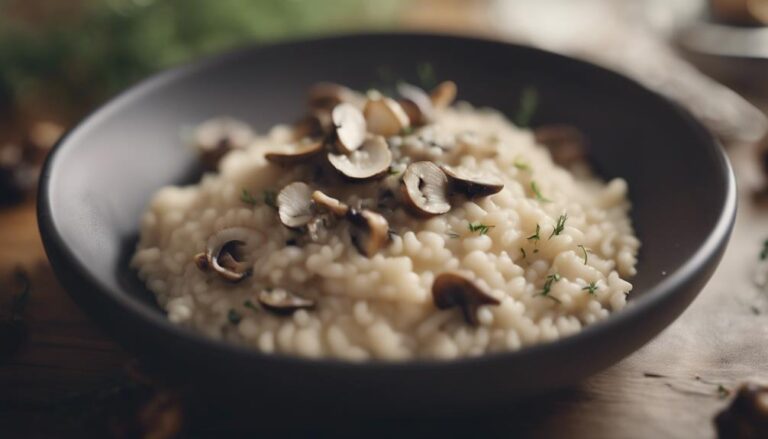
x=387, y=228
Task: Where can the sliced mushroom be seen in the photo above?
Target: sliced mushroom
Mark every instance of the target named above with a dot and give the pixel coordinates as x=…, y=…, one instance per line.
x=282, y=302
x=444, y=94
x=315, y=124
x=370, y=161
x=294, y=204
x=329, y=204
x=452, y=289
x=226, y=254
x=369, y=231
x=424, y=188
x=327, y=95
x=471, y=186
x=566, y=143
x=416, y=103
x=384, y=116
x=301, y=152
x=350, y=127
x=216, y=137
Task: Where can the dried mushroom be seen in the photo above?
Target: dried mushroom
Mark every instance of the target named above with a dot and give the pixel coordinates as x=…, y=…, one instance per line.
x=747, y=416
x=350, y=127
x=469, y=185
x=444, y=94
x=453, y=289
x=327, y=95
x=226, y=254
x=370, y=161
x=282, y=302
x=566, y=143
x=327, y=203
x=416, y=103
x=369, y=231
x=424, y=189
x=384, y=116
x=301, y=152
x=216, y=137
x=294, y=205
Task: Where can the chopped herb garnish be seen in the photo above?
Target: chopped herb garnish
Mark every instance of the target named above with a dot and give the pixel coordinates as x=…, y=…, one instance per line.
x=535, y=236
x=248, y=304
x=392, y=171
x=552, y=278
x=407, y=131
x=426, y=74
x=529, y=100
x=586, y=255
x=560, y=226
x=453, y=235
x=522, y=250
x=247, y=198
x=722, y=391
x=480, y=227
x=764, y=252
x=521, y=165
x=537, y=193
x=270, y=199
x=591, y=288
x=234, y=317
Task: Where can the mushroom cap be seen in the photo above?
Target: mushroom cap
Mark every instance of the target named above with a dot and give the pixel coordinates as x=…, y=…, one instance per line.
x=370, y=161
x=215, y=137
x=369, y=231
x=327, y=95
x=566, y=143
x=350, y=127
x=469, y=185
x=384, y=116
x=317, y=123
x=454, y=289
x=416, y=103
x=282, y=302
x=330, y=204
x=444, y=94
x=425, y=189
x=226, y=253
x=294, y=204
x=300, y=152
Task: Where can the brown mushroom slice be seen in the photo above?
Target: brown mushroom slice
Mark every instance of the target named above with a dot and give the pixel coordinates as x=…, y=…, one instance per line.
x=452, y=289
x=301, y=152
x=566, y=143
x=329, y=204
x=282, y=302
x=370, y=161
x=369, y=231
x=471, y=186
x=384, y=116
x=216, y=137
x=315, y=124
x=416, y=103
x=327, y=95
x=350, y=127
x=424, y=189
x=294, y=205
x=444, y=94
x=226, y=254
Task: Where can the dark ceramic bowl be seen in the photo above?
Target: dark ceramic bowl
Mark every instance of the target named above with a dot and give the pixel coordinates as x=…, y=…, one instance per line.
x=100, y=177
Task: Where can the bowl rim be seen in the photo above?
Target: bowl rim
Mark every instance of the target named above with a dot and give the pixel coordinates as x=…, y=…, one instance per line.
x=56, y=247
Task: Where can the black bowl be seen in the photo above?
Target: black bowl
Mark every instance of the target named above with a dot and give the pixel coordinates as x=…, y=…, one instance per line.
x=100, y=177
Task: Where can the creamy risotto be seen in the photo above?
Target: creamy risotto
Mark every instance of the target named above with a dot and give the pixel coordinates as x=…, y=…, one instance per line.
x=387, y=228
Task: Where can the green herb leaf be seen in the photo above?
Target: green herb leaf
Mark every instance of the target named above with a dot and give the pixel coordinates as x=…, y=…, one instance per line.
x=591, y=288
x=234, y=317
x=560, y=226
x=529, y=100
x=247, y=198
x=722, y=391
x=522, y=250
x=521, y=165
x=535, y=236
x=270, y=199
x=537, y=193
x=407, y=131
x=586, y=255
x=392, y=171
x=248, y=304
x=552, y=278
x=480, y=227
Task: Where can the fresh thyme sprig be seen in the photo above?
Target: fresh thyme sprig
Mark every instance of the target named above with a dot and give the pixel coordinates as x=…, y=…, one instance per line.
x=552, y=278
x=537, y=193
x=586, y=255
x=529, y=100
x=521, y=165
x=480, y=227
x=591, y=288
x=535, y=236
x=560, y=226
x=247, y=198
x=270, y=199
